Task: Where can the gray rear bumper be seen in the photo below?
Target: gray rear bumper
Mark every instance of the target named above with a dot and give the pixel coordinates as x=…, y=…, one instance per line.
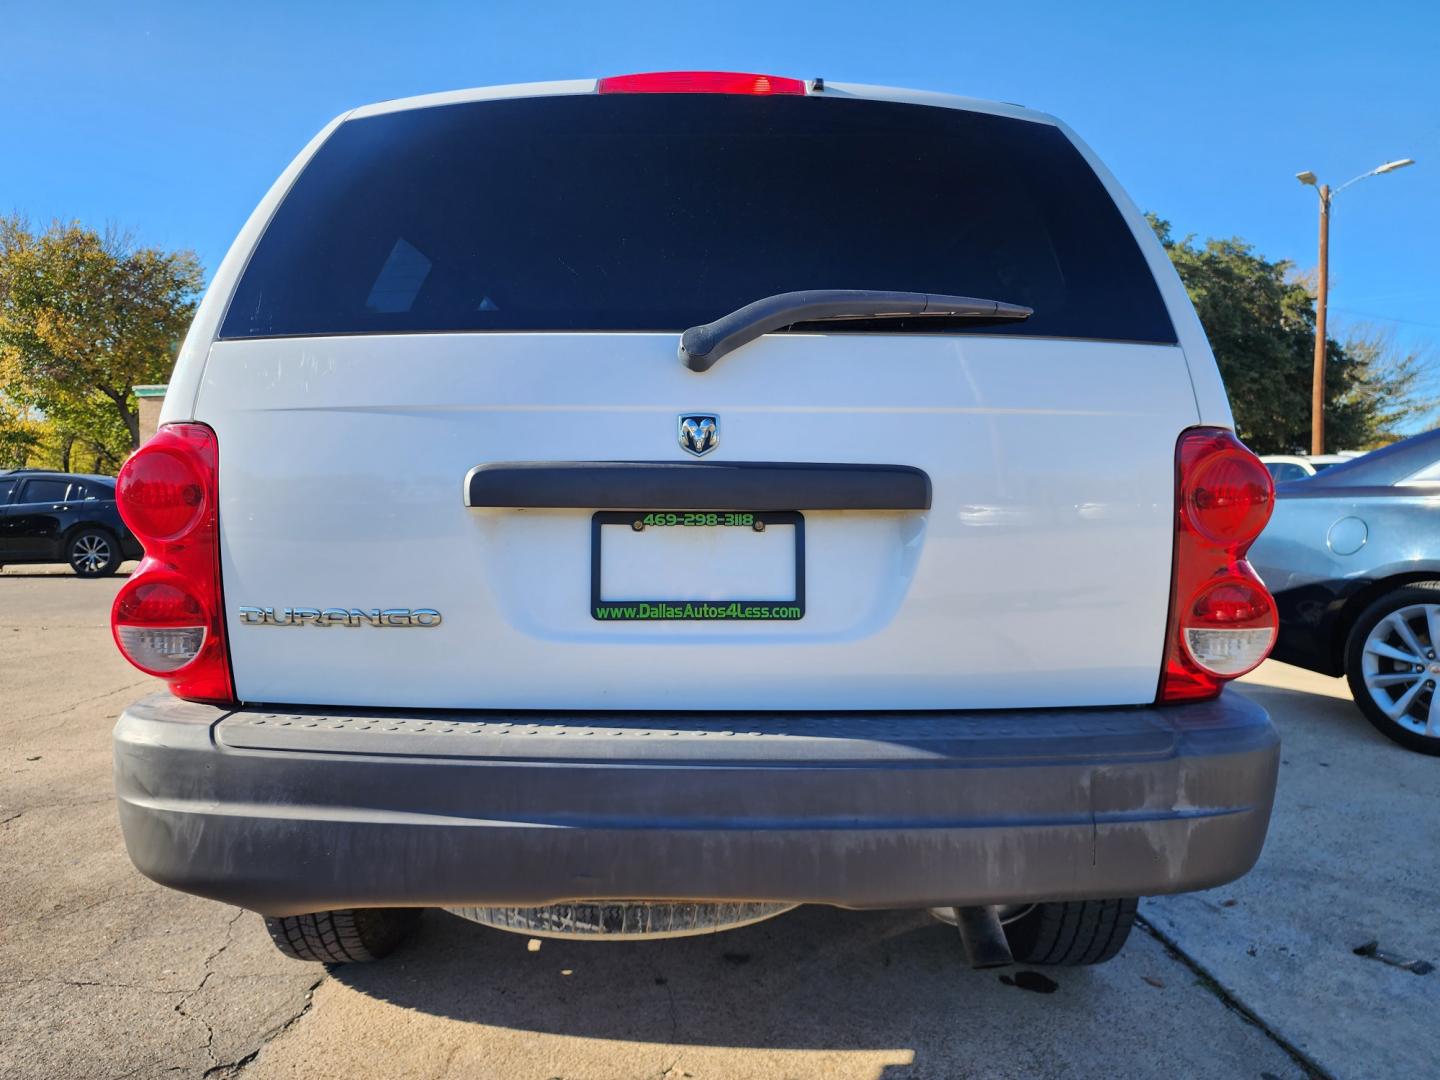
x=303, y=810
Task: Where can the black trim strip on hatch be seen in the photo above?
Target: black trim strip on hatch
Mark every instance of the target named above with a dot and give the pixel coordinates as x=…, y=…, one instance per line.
x=685, y=485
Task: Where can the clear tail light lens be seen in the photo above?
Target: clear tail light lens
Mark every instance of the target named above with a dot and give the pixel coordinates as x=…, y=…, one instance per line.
x=1223, y=621
x=1230, y=627
x=1228, y=653
x=168, y=619
x=161, y=627
x=158, y=650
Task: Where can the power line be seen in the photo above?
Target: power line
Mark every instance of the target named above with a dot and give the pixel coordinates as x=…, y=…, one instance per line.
x=1385, y=318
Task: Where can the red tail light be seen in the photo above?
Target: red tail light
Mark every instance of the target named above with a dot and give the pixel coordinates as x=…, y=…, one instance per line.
x=1222, y=619
x=699, y=82
x=168, y=619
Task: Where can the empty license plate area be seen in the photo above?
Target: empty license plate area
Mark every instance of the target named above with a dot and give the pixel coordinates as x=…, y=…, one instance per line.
x=718, y=565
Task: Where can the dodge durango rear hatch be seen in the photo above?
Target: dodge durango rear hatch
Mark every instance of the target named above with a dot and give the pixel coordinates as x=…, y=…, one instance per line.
x=450, y=291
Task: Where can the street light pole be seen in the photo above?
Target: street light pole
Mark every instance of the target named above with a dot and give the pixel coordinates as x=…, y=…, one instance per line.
x=1322, y=293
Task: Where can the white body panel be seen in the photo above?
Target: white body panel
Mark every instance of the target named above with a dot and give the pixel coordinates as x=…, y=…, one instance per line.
x=1040, y=577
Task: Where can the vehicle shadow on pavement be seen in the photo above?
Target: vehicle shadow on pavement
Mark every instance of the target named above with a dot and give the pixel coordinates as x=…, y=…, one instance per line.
x=815, y=977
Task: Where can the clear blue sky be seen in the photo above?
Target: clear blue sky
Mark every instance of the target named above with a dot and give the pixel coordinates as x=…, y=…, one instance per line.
x=172, y=119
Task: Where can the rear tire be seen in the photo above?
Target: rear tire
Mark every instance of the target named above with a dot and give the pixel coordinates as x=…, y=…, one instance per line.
x=1071, y=934
x=1380, y=683
x=93, y=553
x=348, y=936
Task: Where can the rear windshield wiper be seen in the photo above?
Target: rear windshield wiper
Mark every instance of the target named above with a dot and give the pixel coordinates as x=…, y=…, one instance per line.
x=701, y=346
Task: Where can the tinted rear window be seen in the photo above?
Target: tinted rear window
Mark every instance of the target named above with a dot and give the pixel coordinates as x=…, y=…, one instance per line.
x=38, y=491
x=658, y=212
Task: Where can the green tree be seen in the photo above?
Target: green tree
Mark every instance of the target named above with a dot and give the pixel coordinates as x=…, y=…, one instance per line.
x=1261, y=324
x=84, y=317
x=20, y=435
x=1388, y=391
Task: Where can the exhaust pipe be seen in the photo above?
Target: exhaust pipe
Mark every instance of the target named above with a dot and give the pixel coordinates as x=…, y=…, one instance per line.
x=983, y=936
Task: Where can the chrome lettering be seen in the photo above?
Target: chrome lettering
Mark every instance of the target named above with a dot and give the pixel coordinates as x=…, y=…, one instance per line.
x=336, y=616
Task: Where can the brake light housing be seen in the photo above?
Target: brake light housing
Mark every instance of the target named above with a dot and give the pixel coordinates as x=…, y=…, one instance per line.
x=700, y=82
x=1223, y=620
x=168, y=619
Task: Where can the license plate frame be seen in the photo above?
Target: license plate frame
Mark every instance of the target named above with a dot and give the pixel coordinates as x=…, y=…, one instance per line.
x=727, y=610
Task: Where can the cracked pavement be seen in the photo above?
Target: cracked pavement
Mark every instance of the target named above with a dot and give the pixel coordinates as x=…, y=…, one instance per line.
x=104, y=975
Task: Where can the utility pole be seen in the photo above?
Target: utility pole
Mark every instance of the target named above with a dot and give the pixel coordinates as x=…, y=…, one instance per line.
x=1322, y=290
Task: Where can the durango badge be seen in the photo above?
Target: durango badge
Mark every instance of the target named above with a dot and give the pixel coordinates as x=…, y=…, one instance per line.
x=299, y=616
x=700, y=433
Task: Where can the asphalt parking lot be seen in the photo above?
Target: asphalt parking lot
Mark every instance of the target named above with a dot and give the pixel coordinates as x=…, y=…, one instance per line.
x=103, y=974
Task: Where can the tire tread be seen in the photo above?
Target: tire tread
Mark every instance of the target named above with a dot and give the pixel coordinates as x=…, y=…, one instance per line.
x=1072, y=933
x=345, y=936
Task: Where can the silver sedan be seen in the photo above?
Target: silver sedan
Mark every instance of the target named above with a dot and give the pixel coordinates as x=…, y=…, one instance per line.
x=1352, y=556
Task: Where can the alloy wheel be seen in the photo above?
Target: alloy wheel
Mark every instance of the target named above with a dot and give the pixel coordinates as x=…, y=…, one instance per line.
x=90, y=554
x=1401, y=669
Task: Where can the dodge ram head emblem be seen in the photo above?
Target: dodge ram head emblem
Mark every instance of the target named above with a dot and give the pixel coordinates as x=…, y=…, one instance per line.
x=700, y=433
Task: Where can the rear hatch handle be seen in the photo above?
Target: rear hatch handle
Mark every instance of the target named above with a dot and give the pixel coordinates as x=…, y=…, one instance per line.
x=701, y=346
x=695, y=485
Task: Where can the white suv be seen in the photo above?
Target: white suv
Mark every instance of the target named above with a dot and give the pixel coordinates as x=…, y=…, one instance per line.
x=633, y=507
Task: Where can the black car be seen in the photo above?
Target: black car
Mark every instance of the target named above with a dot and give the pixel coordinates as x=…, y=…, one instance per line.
x=55, y=517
